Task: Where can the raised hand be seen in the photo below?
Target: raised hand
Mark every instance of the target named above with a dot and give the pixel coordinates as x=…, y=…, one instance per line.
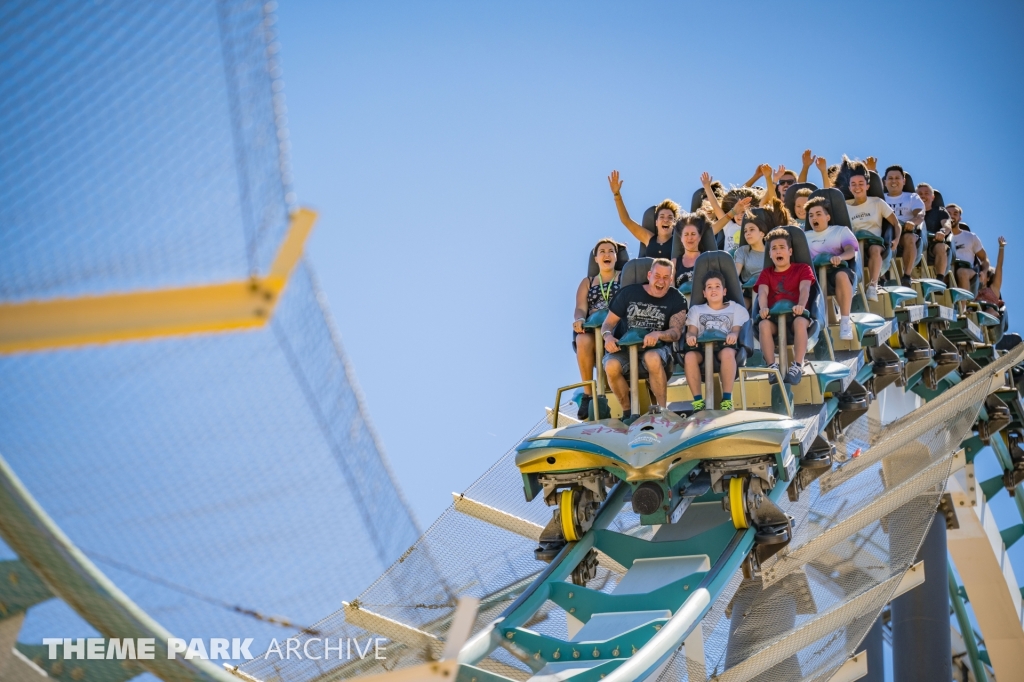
x=614, y=182
x=760, y=171
x=741, y=206
x=1002, y=242
x=778, y=173
x=821, y=163
x=705, y=179
x=872, y=163
x=765, y=170
x=807, y=158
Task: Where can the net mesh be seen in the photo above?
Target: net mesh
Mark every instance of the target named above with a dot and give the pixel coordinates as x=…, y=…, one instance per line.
x=145, y=147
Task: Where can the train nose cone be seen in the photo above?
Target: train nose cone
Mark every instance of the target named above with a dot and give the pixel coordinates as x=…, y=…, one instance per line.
x=647, y=498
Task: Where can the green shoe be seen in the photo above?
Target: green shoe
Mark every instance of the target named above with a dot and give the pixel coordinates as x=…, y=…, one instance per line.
x=698, y=405
x=726, y=405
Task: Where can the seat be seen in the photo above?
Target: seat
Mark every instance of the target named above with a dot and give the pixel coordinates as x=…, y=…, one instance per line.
x=623, y=258
x=840, y=216
x=707, y=263
x=789, y=199
x=815, y=302
x=722, y=262
x=708, y=243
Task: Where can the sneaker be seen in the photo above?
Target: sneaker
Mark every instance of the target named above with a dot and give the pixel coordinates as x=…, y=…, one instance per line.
x=794, y=375
x=907, y=281
x=772, y=377
x=698, y=405
x=584, y=411
x=872, y=292
x=846, y=330
x=726, y=405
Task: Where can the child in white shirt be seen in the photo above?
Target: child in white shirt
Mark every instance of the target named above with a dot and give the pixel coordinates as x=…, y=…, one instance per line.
x=721, y=315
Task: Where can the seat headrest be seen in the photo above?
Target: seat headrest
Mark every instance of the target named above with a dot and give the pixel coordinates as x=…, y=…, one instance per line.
x=635, y=271
x=938, y=202
x=908, y=183
x=876, y=188
x=837, y=206
x=790, y=197
x=697, y=200
x=801, y=252
x=722, y=262
x=623, y=256
x=708, y=240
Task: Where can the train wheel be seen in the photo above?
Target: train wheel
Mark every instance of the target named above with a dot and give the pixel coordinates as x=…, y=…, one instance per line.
x=567, y=515
x=737, y=502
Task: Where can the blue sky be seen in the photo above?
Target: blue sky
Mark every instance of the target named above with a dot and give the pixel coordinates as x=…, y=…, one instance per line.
x=457, y=153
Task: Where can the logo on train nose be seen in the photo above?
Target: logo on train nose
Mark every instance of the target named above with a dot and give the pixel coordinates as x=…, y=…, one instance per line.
x=646, y=437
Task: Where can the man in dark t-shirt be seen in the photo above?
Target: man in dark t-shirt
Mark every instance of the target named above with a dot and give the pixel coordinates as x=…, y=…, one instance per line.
x=937, y=222
x=656, y=307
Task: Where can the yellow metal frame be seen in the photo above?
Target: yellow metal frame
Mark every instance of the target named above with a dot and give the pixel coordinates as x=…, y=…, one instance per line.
x=558, y=398
x=743, y=371
x=68, y=322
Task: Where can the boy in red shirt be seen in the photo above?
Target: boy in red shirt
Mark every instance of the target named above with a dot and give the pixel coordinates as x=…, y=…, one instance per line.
x=786, y=281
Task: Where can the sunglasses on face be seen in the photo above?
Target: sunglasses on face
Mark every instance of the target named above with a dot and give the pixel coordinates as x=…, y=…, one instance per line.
x=785, y=182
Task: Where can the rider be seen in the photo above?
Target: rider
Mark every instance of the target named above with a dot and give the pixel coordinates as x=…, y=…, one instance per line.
x=909, y=208
x=838, y=242
x=593, y=294
x=867, y=213
x=658, y=245
x=800, y=206
x=721, y=315
x=657, y=307
x=785, y=281
x=937, y=224
x=991, y=287
x=967, y=247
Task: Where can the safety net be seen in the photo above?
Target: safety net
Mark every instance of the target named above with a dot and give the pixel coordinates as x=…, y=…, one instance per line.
x=145, y=148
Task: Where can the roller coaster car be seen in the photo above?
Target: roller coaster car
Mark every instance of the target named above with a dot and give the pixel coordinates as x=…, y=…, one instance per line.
x=667, y=460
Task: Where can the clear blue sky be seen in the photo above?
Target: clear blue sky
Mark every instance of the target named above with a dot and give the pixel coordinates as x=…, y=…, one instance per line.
x=457, y=153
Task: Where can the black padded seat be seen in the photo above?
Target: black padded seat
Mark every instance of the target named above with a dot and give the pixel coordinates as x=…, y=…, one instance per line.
x=938, y=201
x=908, y=183
x=722, y=262
x=706, y=244
x=635, y=271
x=815, y=302
x=876, y=188
x=790, y=197
x=840, y=213
x=708, y=240
x=623, y=257
x=697, y=200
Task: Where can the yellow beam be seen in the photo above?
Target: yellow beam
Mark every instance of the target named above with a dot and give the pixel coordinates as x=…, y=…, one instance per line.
x=60, y=323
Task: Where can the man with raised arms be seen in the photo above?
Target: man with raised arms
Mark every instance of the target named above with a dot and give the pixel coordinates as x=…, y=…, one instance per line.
x=658, y=308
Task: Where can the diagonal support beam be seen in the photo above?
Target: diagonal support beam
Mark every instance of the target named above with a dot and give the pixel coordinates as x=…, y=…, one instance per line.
x=67, y=322
x=786, y=562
